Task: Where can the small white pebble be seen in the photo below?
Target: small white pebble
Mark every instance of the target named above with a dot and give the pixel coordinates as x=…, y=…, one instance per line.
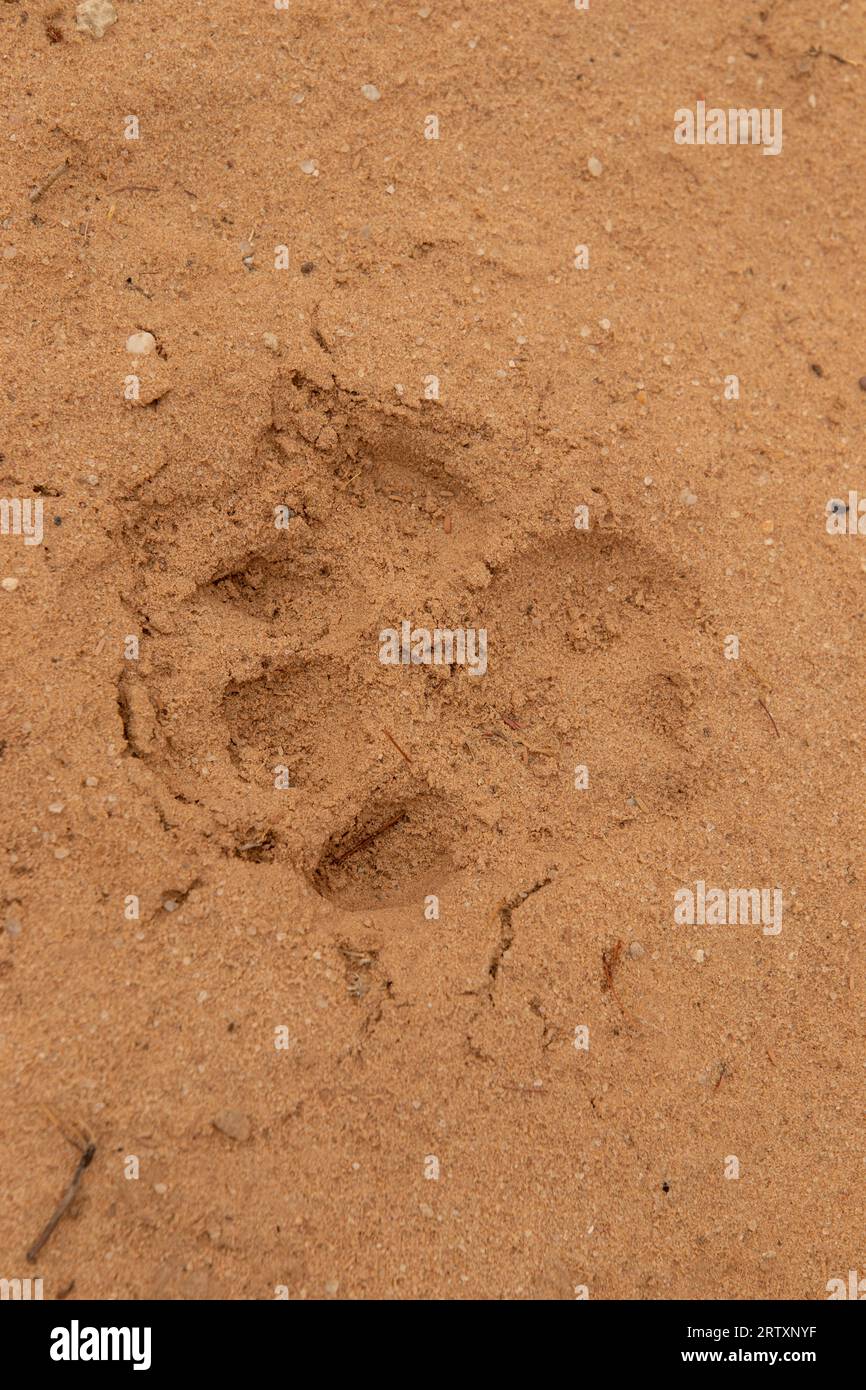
x=10, y=252
x=140, y=343
x=160, y=1188
x=56, y=807
x=271, y=342
x=95, y=16
x=10, y=585
x=61, y=854
x=688, y=497
x=595, y=166
x=635, y=950
x=309, y=166
x=370, y=92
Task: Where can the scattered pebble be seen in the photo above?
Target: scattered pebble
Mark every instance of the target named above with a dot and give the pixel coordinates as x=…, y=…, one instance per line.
x=308, y=267
x=688, y=497
x=12, y=926
x=595, y=166
x=10, y=252
x=636, y=950
x=140, y=344
x=61, y=853
x=95, y=16
x=309, y=166
x=700, y=956
x=169, y=905
x=160, y=1189
x=370, y=92
x=56, y=807
x=271, y=342
x=233, y=1124
x=10, y=585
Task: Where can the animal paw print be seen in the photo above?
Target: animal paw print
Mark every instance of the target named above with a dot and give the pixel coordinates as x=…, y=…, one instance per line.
x=398, y=778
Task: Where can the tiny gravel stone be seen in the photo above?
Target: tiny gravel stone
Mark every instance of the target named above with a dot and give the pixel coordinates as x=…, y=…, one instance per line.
x=140, y=344
x=271, y=342
x=61, y=854
x=12, y=926
x=370, y=92
x=309, y=166
x=169, y=905
x=233, y=1124
x=9, y=253
x=10, y=585
x=95, y=16
x=56, y=807
x=160, y=1188
x=635, y=950
x=595, y=166
x=688, y=497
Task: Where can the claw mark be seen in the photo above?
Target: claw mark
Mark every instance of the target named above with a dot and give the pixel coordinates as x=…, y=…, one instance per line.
x=506, y=928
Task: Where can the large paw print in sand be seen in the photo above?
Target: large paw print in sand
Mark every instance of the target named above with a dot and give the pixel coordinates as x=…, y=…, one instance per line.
x=403, y=776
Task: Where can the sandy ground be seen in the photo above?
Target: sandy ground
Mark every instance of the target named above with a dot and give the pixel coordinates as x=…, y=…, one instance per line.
x=299, y=1079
